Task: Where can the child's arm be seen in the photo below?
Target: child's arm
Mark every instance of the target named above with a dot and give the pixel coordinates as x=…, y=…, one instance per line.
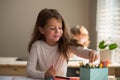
x=84, y=53
x=32, y=63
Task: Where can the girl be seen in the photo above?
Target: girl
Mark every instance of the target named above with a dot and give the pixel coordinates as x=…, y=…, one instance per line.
x=81, y=34
x=50, y=47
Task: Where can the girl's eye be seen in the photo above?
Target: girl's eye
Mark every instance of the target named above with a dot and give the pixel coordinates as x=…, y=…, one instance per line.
x=52, y=28
x=60, y=27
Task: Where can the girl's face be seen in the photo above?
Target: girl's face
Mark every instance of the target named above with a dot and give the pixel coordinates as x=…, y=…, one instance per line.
x=52, y=31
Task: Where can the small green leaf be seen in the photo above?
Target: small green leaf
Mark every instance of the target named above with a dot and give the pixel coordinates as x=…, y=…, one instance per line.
x=102, y=45
x=113, y=46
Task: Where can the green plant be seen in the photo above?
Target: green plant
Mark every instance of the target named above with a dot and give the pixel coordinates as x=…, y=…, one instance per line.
x=103, y=45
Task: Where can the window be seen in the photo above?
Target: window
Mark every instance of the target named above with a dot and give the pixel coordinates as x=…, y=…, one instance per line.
x=108, y=23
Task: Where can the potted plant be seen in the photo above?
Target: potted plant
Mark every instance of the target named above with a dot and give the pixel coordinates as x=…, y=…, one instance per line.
x=103, y=45
x=107, y=51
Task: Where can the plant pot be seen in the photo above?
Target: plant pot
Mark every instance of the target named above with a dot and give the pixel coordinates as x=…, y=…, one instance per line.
x=107, y=55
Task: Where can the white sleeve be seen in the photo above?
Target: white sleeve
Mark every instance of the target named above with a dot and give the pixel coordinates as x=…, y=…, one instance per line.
x=32, y=63
x=80, y=51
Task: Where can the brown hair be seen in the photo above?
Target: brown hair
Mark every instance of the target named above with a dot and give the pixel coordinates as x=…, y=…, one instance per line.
x=42, y=20
x=78, y=30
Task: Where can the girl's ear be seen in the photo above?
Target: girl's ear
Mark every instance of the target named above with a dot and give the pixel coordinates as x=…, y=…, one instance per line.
x=41, y=30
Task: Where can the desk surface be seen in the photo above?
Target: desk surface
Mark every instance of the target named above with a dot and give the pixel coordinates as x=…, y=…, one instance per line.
x=75, y=64
x=26, y=78
x=12, y=61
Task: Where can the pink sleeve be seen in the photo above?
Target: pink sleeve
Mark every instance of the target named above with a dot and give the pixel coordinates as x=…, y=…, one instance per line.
x=80, y=51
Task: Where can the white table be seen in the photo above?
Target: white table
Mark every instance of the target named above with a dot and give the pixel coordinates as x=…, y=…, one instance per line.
x=16, y=78
x=9, y=66
x=25, y=78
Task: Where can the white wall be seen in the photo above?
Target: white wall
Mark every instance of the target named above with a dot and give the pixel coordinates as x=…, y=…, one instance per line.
x=17, y=19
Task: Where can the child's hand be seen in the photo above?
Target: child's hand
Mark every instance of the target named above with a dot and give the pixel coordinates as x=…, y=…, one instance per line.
x=93, y=56
x=50, y=73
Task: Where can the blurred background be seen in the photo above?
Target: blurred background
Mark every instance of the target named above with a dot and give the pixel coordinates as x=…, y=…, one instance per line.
x=18, y=17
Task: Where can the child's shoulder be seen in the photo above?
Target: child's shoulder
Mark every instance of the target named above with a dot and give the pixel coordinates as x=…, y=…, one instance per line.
x=37, y=43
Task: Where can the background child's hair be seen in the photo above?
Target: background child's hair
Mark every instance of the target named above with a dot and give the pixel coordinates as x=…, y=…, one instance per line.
x=42, y=19
x=78, y=30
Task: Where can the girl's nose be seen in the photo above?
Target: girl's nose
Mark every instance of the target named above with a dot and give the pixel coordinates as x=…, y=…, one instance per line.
x=57, y=30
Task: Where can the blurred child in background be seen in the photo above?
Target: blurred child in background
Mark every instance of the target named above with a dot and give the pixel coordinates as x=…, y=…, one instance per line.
x=81, y=34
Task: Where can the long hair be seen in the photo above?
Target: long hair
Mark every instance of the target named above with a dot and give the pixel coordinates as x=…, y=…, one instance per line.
x=42, y=19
